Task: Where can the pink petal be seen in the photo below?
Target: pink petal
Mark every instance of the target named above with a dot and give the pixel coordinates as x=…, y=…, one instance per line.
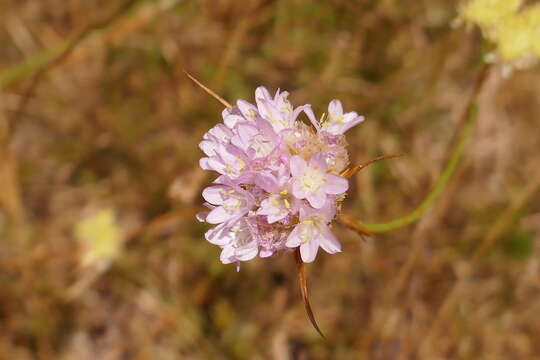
x=227, y=255
x=328, y=211
x=203, y=163
x=208, y=147
x=311, y=116
x=317, y=199
x=232, y=120
x=297, y=165
x=218, y=235
x=264, y=209
x=246, y=108
x=335, y=184
x=247, y=252
x=308, y=250
x=328, y=241
x=352, y=123
x=294, y=239
x=213, y=194
x=245, y=133
x=318, y=162
x=266, y=129
x=350, y=116
x=214, y=163
x=201, y=216
x=218, y=215
x=276, y=217
x=265, y=109
x=262, y=93
x=266, y=181
x=220, y=132
x=297, y=112
x=281, y=95
x=226, y=112
x=335, y=108
x=298, y=190
x=283, y=175
x=264, y=253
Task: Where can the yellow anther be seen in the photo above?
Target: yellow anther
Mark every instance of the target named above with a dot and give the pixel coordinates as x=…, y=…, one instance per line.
x=287, y=204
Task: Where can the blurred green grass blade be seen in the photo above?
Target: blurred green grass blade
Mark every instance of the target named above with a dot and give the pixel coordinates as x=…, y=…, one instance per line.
x=31, y=64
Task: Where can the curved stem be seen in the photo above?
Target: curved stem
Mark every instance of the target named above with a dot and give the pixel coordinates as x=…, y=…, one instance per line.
x=437, y=188
x=32, y=64
x=38, y=64
x=469, y=120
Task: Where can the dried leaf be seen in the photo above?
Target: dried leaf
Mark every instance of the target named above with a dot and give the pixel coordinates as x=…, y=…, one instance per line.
x=210, y=92
x=348, y=173
x=302, y=281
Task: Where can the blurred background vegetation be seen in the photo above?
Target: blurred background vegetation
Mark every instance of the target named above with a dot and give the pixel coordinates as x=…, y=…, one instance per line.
x=100, y=254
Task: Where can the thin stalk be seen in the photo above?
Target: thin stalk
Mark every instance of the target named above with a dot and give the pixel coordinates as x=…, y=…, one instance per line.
x=468, y=119
x=437, y=188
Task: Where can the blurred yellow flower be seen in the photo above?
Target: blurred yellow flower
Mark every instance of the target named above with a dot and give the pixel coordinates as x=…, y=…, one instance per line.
x=515, y=31
x=100, y=236
x=489, y=12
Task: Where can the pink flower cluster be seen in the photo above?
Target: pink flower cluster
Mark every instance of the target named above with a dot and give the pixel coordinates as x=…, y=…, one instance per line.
x=279, y=185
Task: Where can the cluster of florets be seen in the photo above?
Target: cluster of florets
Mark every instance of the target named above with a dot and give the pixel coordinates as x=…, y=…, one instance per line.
x=279, y=185
x=512, y=25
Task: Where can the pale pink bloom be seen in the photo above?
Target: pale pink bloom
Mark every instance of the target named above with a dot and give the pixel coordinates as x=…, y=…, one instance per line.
x=229, y=160
x=257, y=139
x=312, y=231
x=311, y=180
x=280, y=202
x=338, y=122
x=216, y=136
x=278, y=111
x=239, y=244
x=231, y=203
x=232, y=116
x=248, y=110
x=278, y=184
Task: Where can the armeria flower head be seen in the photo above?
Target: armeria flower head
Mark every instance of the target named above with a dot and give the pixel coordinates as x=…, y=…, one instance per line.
x=278, y=184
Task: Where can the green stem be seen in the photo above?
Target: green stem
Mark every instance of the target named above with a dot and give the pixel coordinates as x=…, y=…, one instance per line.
x=439, y=185
x=32, y=64
x=468, y=119
x=45, y=58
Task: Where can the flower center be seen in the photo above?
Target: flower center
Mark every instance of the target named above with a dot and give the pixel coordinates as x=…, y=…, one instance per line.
x=262, y=146
x=312, y=180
